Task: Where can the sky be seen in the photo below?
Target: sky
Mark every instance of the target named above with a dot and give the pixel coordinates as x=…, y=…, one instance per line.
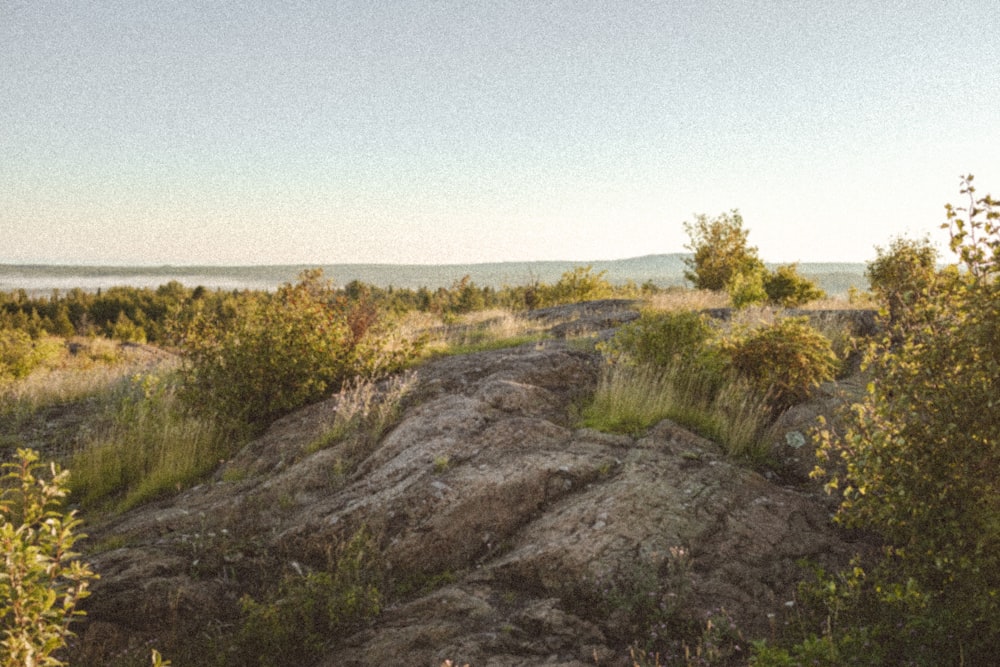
x=365, y=131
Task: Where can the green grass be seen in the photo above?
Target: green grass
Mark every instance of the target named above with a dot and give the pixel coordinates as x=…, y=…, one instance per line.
x=149, y=445
x=632, y=398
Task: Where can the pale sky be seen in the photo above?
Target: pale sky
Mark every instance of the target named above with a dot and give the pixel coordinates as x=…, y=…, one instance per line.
x=283, y=132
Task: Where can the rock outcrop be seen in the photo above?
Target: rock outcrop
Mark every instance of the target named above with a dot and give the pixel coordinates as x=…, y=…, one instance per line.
x=485, y=485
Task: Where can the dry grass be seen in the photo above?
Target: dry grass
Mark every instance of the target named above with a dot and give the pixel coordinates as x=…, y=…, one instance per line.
x=365, y=406
x=472, y=332
x=688, y=299
x=96, y=365
x=857, y=302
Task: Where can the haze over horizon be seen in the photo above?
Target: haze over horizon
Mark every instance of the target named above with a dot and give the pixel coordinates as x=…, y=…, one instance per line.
x=190, y=133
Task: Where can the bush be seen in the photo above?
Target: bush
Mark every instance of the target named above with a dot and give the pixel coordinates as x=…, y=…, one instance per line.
x=274, y=354
x=20, y=354
x=785, y=360
x=574, y=286
x=785, y=287
x=917, y=462
x=661, y=339
x=902, y=275
x=41, y=582
x=747, y=289
x=720, y=251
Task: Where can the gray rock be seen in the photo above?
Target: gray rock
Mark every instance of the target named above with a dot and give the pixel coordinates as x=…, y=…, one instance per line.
x=528, y=516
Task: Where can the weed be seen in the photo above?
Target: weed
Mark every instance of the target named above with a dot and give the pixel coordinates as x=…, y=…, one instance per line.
x=442, y=463
x=308, y=609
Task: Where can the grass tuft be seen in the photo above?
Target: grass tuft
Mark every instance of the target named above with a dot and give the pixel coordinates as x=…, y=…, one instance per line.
x=365, y=408
x=632, y=398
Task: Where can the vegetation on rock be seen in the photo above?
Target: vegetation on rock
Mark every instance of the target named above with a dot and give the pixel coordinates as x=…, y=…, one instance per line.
x=278, y=353
x=913, y=462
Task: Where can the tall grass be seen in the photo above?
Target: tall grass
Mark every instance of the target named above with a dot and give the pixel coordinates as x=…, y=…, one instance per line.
x=364, y=405
x=632, y=398
x=150, y=445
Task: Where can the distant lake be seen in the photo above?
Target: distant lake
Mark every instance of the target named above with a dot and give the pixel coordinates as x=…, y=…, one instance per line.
x=662, y=270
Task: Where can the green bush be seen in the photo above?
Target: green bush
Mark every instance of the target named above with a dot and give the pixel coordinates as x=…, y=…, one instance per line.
x=785, y=287
x=661, y=338
x=41, y=582
x=902, y=275
x=747, y=289
x=576, y=285
x=785, y=360
x=20, y=354
x=917, y=463
x=276, y=353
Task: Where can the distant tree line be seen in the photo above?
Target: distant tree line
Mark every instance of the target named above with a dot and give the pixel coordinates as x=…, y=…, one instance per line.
x=142, y=314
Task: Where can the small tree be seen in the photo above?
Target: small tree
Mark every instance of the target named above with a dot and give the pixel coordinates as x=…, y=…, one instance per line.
x=41, y=582
x=901, y=275
x=720, y=251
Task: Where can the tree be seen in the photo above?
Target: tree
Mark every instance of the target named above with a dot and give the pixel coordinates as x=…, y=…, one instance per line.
x=918, y=460
x=901, y=276
x=720, y=251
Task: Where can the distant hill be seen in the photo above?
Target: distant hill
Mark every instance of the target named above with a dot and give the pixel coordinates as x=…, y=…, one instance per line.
x=663, y=270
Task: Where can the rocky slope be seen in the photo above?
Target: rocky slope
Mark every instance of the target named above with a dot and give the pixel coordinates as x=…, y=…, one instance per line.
x=525, y=539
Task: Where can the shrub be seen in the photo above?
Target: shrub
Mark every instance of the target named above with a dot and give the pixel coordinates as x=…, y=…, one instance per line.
x=20, y=354
x=902, y=275
x=575, y=285
x=917, y=461
x=747, y=289
x=785, y=287
x=720, y=251
x=784, y=360
x=661, y=339
x=41, y=582
x=277, y=353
